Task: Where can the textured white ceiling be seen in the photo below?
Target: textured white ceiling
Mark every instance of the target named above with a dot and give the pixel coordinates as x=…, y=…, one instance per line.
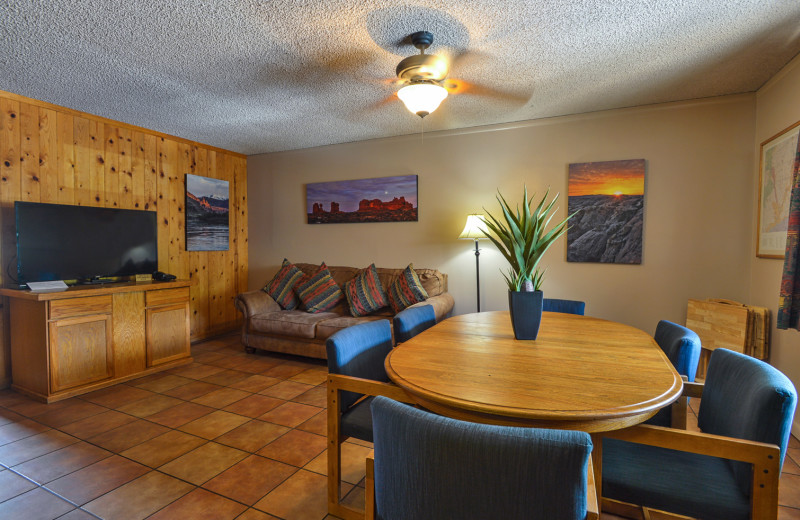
x=260, y=76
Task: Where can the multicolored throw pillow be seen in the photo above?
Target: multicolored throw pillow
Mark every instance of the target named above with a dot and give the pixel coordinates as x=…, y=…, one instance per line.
x=319, y=292
x=406, y=290
x=365, y=293
x=281, y=287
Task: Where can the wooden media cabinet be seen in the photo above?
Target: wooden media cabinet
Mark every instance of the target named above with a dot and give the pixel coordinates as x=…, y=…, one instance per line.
x=88, y=337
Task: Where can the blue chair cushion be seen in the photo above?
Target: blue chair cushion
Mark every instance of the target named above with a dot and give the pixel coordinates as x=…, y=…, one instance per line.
x=359, y=351
x=565, y=306
x=357, y=420
x=679, y=482
x=747, y=399
x=410, y=322
x=427, y=466
x=662, y=418
x=681, y=345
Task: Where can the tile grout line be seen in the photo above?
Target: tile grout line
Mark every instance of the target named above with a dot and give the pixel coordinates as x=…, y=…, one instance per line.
x=151, y=469
x=45, y=488
x=106, y=408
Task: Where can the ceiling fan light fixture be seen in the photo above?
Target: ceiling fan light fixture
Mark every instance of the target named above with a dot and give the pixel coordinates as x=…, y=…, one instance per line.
x=422, y=98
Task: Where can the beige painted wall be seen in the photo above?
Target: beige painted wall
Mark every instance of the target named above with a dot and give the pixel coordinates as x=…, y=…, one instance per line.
x=777, y=107
x=698, y=205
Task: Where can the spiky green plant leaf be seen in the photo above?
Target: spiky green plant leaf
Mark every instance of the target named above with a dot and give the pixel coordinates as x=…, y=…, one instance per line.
x=521, y=238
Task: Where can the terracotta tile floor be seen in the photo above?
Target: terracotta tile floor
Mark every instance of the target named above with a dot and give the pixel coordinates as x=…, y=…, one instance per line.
x=229, y=436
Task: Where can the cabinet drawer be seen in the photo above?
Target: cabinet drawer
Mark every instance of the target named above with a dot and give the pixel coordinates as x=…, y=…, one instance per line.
x=166, y=296
x=80, y=306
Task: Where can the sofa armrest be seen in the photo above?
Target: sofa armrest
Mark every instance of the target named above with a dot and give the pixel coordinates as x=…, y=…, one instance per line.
x=442, y=305
x=256, y=302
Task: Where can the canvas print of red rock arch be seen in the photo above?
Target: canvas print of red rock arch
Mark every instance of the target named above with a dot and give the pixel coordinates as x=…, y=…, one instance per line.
x=382, y=199
x=609, y=199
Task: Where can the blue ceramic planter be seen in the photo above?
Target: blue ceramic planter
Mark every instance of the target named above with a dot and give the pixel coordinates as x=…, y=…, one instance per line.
x=526, y=313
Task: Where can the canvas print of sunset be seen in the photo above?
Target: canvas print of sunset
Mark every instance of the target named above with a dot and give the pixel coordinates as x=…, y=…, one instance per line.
x=609, y=199
x=382, y=199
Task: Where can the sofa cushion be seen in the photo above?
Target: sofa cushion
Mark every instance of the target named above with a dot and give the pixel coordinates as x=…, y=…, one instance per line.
x=281, y=287
x=298, y=324
x=334, y=324
x=406, y=290
x=433, y=281
x=319, y=293
x=365, y=292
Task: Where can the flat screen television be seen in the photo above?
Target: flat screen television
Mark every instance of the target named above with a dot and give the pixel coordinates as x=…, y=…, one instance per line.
x=83, y=243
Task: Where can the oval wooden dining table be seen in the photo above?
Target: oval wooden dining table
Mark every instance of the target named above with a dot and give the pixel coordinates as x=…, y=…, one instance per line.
x=581, y=373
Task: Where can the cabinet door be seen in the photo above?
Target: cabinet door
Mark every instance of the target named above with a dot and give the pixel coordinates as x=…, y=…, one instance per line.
x=167, y=333
x=80, y=351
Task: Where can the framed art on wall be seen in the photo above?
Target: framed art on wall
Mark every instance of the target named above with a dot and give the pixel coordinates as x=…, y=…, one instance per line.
x=774, y=191
x=206, y=214
x=608, y=197
x=381, y=199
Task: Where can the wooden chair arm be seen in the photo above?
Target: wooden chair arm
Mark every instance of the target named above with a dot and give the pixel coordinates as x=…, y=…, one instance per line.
x=701, y=443
x=692, y=389
x=336, y=384
x=368, y=387
x=764, y=457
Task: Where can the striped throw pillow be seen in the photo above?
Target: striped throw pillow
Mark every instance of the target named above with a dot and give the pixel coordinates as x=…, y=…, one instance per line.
x=365, y=293
x=406, y=290
x=319, y=292
x=281, y=287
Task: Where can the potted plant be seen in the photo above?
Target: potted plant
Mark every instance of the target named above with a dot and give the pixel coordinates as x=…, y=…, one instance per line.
x=522, y=237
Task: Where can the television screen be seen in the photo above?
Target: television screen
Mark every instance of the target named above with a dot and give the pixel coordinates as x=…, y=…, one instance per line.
x=62, y=242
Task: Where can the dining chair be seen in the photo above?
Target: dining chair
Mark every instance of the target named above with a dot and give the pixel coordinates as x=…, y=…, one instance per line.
x=565, y=306
x=429, y=466
x=410, y=322
x=682, y=346
x=355, y=374
x=727, y=471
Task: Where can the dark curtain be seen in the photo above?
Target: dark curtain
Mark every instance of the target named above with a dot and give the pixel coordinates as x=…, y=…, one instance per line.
x=789, y=306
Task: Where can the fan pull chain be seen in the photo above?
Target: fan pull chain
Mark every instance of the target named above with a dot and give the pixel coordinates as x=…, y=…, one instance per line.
x=422, y=134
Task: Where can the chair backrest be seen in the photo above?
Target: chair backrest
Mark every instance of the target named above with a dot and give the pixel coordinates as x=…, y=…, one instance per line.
x=410, y=322
x=359, y=351
x=747, y=399
x=681, y=345
x=428, y=466
x=565, y=306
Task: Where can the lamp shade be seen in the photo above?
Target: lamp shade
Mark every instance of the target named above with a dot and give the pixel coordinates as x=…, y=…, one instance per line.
x=422, y=98
x=473, y=230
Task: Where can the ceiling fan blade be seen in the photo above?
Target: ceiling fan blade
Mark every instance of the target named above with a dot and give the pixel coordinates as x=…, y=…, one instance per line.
x=458, y=87
x=346, y=62
x=466, y=58
x=382, y=102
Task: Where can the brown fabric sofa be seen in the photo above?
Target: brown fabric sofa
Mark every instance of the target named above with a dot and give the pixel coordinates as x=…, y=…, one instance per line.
x=268, y=327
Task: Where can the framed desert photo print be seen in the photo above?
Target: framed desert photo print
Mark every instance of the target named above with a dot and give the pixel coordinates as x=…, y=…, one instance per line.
x=381, y=199
x=774, y=191
x=608, y=201
x=206, y=214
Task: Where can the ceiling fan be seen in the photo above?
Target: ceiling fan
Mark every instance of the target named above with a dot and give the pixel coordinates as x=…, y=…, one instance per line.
x=425, y=84
x=423, y=75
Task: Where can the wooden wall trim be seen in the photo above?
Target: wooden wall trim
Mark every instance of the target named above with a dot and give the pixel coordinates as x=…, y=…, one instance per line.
x=54, y=154
x=119, y=124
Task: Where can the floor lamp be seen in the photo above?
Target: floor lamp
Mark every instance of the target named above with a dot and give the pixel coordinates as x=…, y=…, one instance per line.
x=474, y=231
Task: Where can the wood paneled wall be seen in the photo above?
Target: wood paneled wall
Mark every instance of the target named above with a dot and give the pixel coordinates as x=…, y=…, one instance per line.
x=54, y=154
